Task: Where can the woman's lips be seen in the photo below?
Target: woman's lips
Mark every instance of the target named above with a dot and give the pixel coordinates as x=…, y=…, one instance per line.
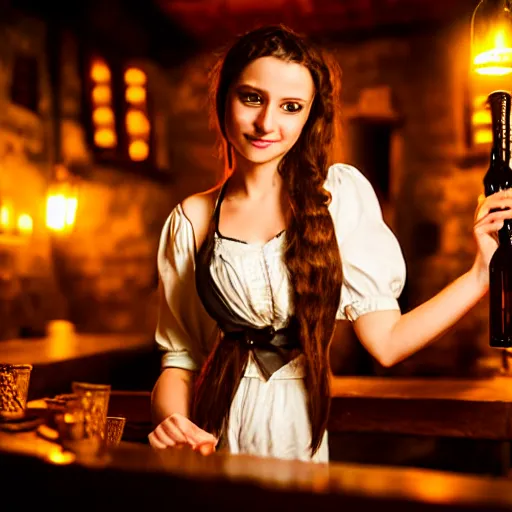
x=261, y=143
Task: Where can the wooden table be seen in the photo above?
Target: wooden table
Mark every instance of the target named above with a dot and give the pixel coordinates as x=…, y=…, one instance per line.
x=134, y=477
x=128, y=361
x=65, y=346
x=472, y=409
x=475, y=409
x=468, y=408
x=479, y=409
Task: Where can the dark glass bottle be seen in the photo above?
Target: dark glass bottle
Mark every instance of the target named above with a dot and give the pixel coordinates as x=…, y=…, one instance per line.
x=499, y=174
x=499, y=177
x=500, y=292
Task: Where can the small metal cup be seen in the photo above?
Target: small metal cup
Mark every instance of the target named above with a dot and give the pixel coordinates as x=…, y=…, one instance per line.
x=93, y=400
x=114, y=430
x=14, y=384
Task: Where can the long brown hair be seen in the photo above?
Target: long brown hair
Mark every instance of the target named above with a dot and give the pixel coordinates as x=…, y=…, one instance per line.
x=311, y=251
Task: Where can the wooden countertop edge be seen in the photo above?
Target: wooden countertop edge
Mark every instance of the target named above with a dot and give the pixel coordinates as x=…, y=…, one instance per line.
x=262, y=476
x=49, y=350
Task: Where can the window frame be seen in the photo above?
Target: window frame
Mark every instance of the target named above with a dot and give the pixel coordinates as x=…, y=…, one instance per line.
x=34, y=83
x=117, y=155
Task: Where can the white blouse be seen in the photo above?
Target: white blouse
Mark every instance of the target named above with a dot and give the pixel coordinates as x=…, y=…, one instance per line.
x=254, y=280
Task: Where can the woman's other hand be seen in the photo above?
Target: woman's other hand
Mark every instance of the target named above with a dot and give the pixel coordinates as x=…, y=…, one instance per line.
x=486, y=227
x=177, y=431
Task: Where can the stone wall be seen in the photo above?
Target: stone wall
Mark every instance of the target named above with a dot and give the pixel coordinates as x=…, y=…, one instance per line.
x=108, y=264
x=101, y=276
x=27, y=293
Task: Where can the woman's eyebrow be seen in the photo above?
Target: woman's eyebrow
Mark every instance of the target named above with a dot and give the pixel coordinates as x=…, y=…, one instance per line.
x=265, y=93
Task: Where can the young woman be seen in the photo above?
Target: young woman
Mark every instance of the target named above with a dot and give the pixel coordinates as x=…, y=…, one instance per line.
x=255, y=273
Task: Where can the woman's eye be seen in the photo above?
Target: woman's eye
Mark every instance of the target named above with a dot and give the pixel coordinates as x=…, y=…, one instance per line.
x=251, y=97
x=292, y=108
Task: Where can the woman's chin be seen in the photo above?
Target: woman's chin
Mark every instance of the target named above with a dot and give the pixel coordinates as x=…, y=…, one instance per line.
x=258, y=156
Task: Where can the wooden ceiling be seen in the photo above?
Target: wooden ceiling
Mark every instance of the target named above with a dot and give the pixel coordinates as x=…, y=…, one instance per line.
x=210, y=20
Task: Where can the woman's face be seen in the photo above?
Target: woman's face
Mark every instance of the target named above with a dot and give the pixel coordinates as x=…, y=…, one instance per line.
x=266, y=109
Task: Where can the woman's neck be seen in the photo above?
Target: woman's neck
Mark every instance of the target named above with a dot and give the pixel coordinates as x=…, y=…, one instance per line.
x=256, y=181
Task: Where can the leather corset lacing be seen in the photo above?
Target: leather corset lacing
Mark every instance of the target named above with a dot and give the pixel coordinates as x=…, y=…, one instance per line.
x=271, y=349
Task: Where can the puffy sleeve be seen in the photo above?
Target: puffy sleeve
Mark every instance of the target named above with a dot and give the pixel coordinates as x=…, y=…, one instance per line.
x=372, y=260
x=184, y=329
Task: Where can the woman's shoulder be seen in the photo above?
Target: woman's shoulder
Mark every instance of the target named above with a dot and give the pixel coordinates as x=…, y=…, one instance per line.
x=198, y=206
x=347, y=183
x=345, y=176
x=352, y=196
x=198, y=210
x=186, y=226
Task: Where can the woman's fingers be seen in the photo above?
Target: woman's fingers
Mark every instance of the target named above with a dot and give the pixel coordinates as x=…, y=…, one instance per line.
x=177, y=431
x=159, y=438
x=494, y=217
x=491, y=223
x=489, y=229
x=195, y=435
x=155, y=443
x=206, y=449
x=173, y=431
x=501, y=200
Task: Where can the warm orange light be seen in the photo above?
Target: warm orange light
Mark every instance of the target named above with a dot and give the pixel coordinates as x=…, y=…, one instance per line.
x=480, y=101
x=100, y=72
x=491, y=38
x=494, y=63
x=103, y=115
x=60, y=211
x=135, y=76
x=60, y=456
x=496, y=60
x=56, y=212
x=71, y=206
x=138, y=150
x=483, y=136
x=25, y=224
x=137, y=123
x=105, y=138
x=135, y=94
x=102, y=94
x=481, y=117
x=62, y=201
x=6, y=216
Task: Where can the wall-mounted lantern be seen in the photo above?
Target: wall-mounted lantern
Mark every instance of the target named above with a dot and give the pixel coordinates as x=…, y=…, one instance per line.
x=25, y=224
x=61, y=201
x=6, y=216
x=491, y=38
x=490, y=66
x=12, y=222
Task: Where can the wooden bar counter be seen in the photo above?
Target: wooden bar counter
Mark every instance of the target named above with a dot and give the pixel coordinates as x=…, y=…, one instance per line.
x=127, y=361
x=465, y=408
x=134, y=477
x=479, y=409
x=463, y=424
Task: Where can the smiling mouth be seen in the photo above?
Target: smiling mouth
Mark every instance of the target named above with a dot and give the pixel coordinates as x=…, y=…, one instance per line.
x=260, y=143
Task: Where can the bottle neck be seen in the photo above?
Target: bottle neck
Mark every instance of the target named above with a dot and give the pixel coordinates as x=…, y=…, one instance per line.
x=499, y=103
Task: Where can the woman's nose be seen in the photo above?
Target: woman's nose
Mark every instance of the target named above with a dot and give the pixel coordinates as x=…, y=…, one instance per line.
x=264, y=121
